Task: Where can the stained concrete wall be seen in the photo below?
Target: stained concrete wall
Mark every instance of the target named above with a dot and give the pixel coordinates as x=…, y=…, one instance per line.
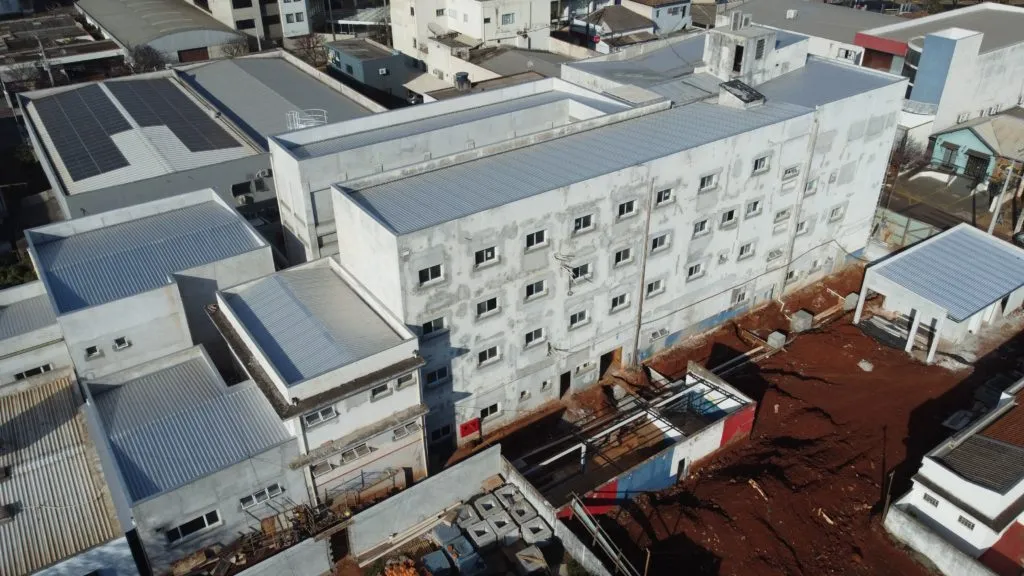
x=902, y=525
x=406, y=457
x=307, y=558
x=977, y=82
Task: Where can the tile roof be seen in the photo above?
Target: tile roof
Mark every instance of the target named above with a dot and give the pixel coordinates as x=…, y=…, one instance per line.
x=26, y=316
x=56, y=480
x=309, y=321
x=987, y=462
x=113, y=262
x=962, y=270
x=180, y=423
x=431, y=198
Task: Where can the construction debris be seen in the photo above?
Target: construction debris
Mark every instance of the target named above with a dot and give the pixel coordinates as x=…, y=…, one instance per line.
x=865, y=365
x=755, y=486
x=825, y=516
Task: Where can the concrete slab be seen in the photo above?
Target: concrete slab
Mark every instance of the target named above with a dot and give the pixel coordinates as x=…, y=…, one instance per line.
x=776, y=340
x=482, y=535
x=801, y=321
x=487, y=505
x=536, y=531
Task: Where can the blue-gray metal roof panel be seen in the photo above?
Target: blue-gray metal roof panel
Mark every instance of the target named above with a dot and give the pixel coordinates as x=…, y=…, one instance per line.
x=26, y=316
x=963, y=270
x=168, y=444
x=122, y=260
x=822, y=81
x=308, y=321
x=652, y=68
x=445, y=194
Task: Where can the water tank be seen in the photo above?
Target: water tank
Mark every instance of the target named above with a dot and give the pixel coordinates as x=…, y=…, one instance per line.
x=462, y=82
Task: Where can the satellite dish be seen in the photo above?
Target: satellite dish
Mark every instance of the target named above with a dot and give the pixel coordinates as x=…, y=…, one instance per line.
x=436, y=29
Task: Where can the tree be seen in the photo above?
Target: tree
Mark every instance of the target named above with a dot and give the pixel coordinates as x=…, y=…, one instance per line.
x=237, y=47
x=906, y=154
x=145, y=58
x=311, y=49
x=22, y=75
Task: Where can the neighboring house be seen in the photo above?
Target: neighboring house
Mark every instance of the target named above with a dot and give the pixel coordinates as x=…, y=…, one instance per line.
x=379, y=68
x=963, y=511
x=616, y=26
x=200, y=462
x=668, y=15
x=341, y=373
x=974, y=148
x=31, y=342
x=541, y=233
x=68, y=48
x=131, y=285
x=60, y=518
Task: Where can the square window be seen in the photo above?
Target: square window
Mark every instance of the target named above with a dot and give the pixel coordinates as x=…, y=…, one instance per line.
x=835, y=214
x=486, y=256
x=432, y=326
x=791, y=276
x=299, y=16
x=535, y=290
x=728, y=217
x=545, y=386
x=578, y=319
x=431, y=274
x=774, y=254
x=404, y=381
x=488, y=356
x=708, y=182
x=489, y=411
x=289, y=18
x=654, y=288
x=92, y=352
x=486, y=307
x=121, y=343
x=435, y=377
x=534, y=337
x=620, y=302
x=781, y=216
x=746, y=250
x=811, y=187
x=801, y=227
x=536, y=239
x=753, y=208
x=739, y=296
x=379, y=392
x=659, y=243
x=624, y=256
x=627, y=209
x=524, y=395
x=790, y=173
x=583, y=224
x=508, y=19
x=317, y=417
x=439, y=12
x=581, y=272
x=760, y=165
x=700, y=228
x=695, y=270
x=663, y=197
x=487, y=20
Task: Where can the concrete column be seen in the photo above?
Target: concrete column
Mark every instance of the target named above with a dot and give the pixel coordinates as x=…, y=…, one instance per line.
x=914, y=324
x=860, y=303
x=936, y=335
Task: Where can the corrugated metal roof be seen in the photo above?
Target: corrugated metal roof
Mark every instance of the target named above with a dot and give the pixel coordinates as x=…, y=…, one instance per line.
x=1001, y=25
x=657, y=66
x=261, y=91
x=821, y=81
x=308, y=321
x=138, y=22
x=818, y=19
x=689, y=88
x=122, y=260
x=990, y=463
x=56, y=480
x=26, y=316
x=963, y=270
x=445, y=194
x=180, y=423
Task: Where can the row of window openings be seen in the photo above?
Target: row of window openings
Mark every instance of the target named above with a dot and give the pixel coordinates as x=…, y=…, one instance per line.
x=506, y=19
x=962, y=520
x=347, y=457
x=34, y=372
x=120, y=343
x=702, y=227
x=322, y=415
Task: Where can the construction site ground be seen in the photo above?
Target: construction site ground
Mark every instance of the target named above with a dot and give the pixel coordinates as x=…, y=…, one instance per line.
x=831, y=444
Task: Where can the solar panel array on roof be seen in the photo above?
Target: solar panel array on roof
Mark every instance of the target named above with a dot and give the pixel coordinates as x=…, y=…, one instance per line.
x=160, y=103
x=80, y=123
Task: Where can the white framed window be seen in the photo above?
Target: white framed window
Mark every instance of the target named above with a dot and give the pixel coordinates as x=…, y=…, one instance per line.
x=404, y=381
x=708, y=182
x=760, y=165
x=782, y=216
x=790, y=173
x=209, y=520
x=399, y=433
x=535, y=290
x=774, y=254
x=655, y=287
x=299, y=16
x=965, y=522
x=836, y=214
x=801, y=228
x=620, y=302
x=321, y=468
x=811, y=187
x=353, y=454
x=435, y=377
x=931, y=499
x=34, y=372
x=524, y=395
x=318, y=417
x=93, y=352
x=438, y=434
x=289, y=18
x=739, y=296
x=486, y=257
x=623, y=257
x=583, y=224
x=759, y=49
x=581, y=272
x=378, y=392
x=537, y=239
x=260, y=496
x=485, y=308
x=488, y=356
x=439, y=12
x=695, y=270
x=577, y=319
x=728, y=218
x=122, y=343
x=746, y=250
x=660, y=242
x=627, y=209
x=663, y=197
x=432, y=326
x=791, y=276
x=508, y=19
x=489, y=411
x=700, y=228
x=431, y=274
x=753, y=208
x=534, y=337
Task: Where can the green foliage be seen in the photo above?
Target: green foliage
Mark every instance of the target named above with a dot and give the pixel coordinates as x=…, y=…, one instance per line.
x=16, y=273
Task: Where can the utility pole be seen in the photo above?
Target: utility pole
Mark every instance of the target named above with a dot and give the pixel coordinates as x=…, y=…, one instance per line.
x=644, y=247
x=46, y=63
x=999, y=200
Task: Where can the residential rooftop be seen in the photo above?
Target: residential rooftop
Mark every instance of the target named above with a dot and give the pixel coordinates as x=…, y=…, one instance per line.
x=1003, y=133
x=656, y=64
x=819, y=19
x=173, y=421
x=308, y=320
x=1000, y=24
x=64, y=506
x=822, y=80
x=59, y=35
x=102, y=258
x=361, y=48
x=508, y=61
x=619, y=19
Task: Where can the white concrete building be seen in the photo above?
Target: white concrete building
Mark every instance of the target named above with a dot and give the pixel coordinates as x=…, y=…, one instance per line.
x=964, y=510
x=31, y=342
x=130, y=285
x=947, y=286
x=540, y=233
x=198, y=462
x=341, y=372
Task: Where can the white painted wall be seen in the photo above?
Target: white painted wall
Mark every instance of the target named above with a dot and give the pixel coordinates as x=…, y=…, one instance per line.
x=903, y=523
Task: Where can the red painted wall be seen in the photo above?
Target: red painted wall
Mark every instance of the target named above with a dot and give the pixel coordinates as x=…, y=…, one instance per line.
x=469, y=427
x=1006, y=557
x=881, y=44
x=738, y=424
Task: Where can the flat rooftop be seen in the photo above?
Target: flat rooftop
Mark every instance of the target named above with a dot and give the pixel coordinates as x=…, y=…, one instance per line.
x=119, y=131
x=1000, y=24
x=509, y=61
x=258, y=93
x=98, y=259
x=485, y=85
x=64, y=505
x=308, y=321
x=819, y=19
x=360, y=48
x=173, y=421
x=962, y=270
x=59, y=35
x=656, y=65
x=821, y=81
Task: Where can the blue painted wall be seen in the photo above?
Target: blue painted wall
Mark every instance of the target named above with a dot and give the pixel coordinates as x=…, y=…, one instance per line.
x=933, y=69
x=965, y=139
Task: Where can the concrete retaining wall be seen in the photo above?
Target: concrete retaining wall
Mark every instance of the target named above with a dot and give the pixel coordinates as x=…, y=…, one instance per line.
x=946, y=558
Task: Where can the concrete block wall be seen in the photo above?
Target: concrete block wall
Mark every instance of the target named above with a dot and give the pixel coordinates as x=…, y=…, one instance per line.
x=905, y=528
